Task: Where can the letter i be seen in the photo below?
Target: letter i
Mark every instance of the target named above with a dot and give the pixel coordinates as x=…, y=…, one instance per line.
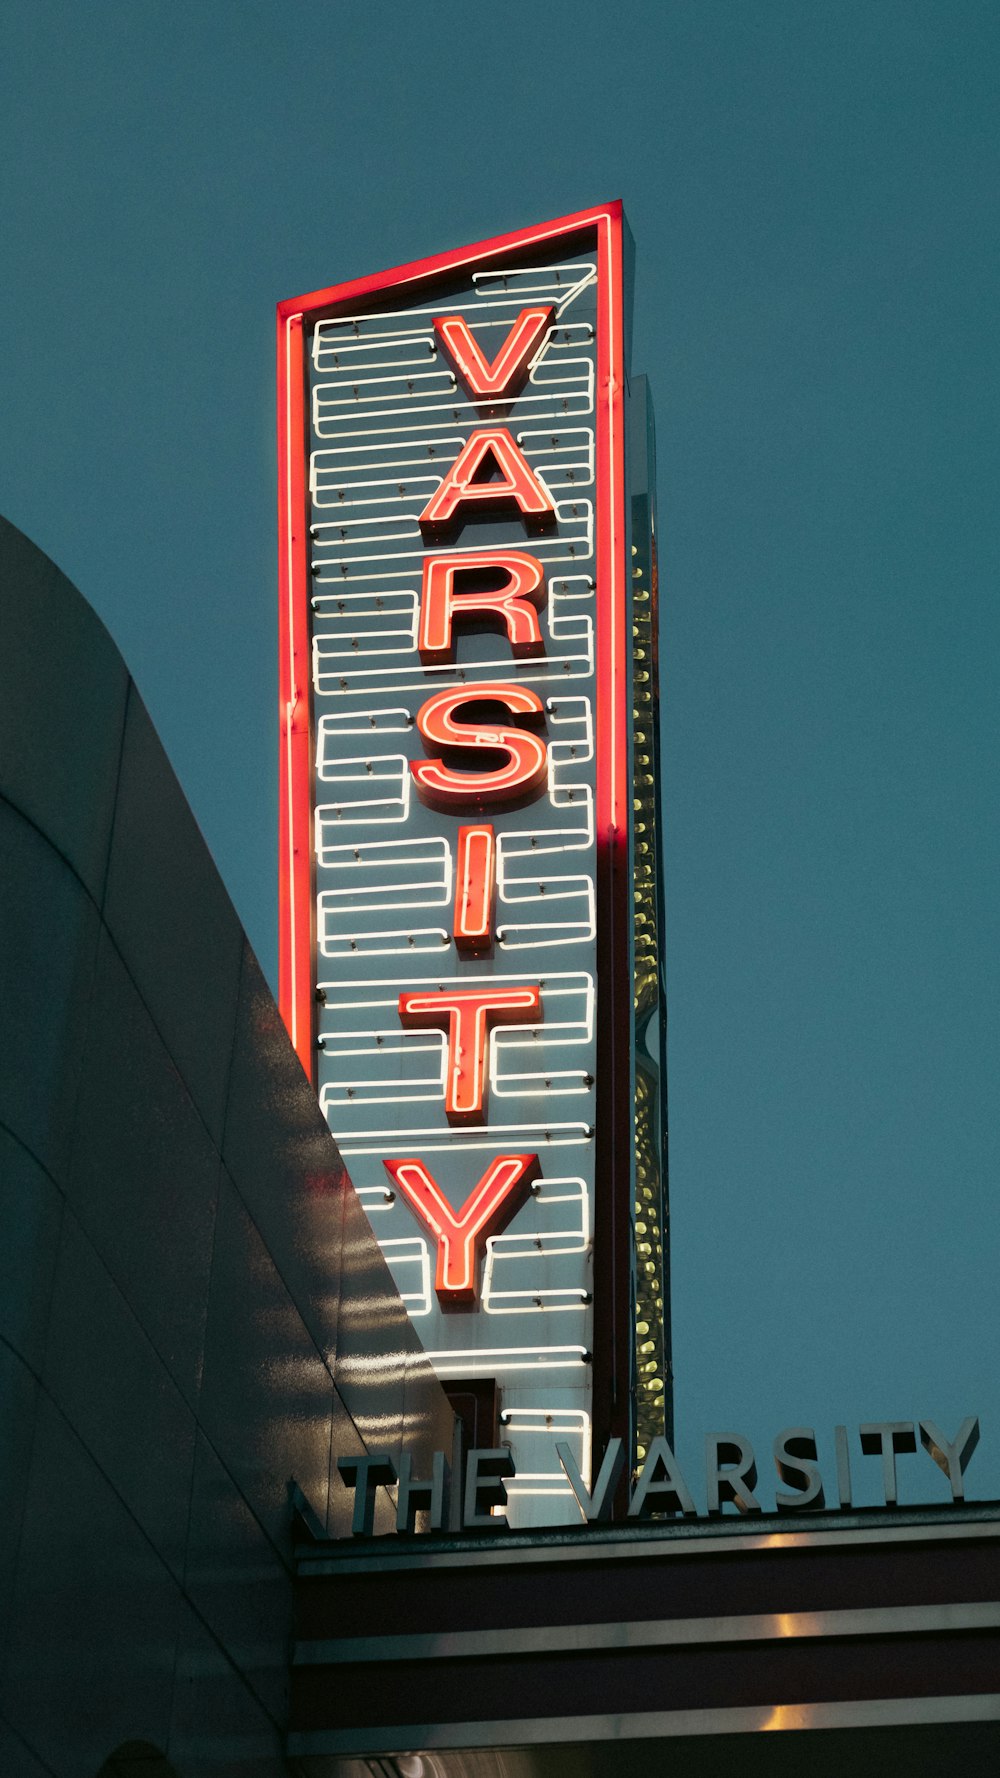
x=475, y=884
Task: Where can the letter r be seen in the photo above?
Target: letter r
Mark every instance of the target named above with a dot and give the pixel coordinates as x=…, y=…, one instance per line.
x=513, y=603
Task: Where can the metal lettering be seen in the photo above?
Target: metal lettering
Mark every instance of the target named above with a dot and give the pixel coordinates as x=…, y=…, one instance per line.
x=413, y=1496
x=661, y=1486
x=730, y=1472
x=795, y=1456
x=595, y=1506
x=886, y=1438
x=364, y=1474
x=484, y=1487
x=952, y=1458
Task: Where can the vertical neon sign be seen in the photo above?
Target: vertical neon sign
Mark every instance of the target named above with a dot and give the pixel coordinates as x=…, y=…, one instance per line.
x=456, y=960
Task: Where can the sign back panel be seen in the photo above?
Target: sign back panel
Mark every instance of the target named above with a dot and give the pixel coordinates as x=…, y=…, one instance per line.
x=456, y=964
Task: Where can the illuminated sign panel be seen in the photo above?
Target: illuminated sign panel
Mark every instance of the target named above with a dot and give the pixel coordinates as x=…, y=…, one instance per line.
x=457, y=964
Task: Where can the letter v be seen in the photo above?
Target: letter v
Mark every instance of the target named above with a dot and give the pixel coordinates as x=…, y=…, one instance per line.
x=597, y=1505
x=501, y=1190
x=505, y=374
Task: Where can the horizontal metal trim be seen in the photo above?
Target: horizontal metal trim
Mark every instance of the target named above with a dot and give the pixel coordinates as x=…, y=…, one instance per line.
x=647, y=1543
x=869, y=1713
x=904, y=1620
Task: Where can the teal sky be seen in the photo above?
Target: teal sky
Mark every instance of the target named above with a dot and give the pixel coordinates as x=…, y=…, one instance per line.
x=813, y=187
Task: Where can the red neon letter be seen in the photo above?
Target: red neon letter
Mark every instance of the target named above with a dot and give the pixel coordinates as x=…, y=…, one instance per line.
x=482, y=452
x=514, y=603
x=467, y=1015
x=476, y=860
x=505, y=374
x=500, y=1192
x=525, y=769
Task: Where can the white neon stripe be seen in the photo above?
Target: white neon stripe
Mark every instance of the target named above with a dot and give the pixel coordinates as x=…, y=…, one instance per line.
x=569, y=293
x=546, y=396
x=511, y=1358
x=551, y=550
x=407, y=1250
x=410, y=941
x=556, y=982
x=368, y=722
x=550, y=1135
x=540, y=670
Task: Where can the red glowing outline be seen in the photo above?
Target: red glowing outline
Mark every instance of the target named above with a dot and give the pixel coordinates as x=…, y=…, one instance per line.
x=468, y=1015
x=501, y=1190
x=475, y=886
x=460, y=488
x=441, y=604
x=505, y=373
x=441, y=787
x=296, y=930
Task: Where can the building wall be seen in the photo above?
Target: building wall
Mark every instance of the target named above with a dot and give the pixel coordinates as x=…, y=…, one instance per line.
x=192, y=1307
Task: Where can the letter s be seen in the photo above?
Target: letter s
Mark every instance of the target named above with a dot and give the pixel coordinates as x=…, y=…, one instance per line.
x=521, y=777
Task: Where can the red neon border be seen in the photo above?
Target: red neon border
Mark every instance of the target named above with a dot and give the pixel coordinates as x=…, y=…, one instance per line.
x=296, y=992
x=613, y=706
x=611, y=1407
x=296, y=902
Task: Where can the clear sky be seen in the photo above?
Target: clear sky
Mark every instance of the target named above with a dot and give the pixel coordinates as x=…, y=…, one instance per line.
x=813, y=187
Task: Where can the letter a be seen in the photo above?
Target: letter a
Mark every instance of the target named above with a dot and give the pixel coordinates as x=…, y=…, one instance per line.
x=507, y=371
x=464, y=486
x=501, y=1191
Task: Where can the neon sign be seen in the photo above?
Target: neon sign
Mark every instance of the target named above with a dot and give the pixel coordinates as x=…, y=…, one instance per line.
x=457, y=725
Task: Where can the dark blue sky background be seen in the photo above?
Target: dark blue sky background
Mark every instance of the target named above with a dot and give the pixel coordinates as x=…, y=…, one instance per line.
x=813, y=187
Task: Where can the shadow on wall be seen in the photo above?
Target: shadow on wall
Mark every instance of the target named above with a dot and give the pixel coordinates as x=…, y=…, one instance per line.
x=136, y=1759
x=193, y=1309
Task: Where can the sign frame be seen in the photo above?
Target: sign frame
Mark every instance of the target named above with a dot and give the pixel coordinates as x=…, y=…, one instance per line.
x=612, y=1407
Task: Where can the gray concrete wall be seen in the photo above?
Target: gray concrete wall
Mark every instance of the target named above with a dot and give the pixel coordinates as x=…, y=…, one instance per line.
x=192, y=1307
